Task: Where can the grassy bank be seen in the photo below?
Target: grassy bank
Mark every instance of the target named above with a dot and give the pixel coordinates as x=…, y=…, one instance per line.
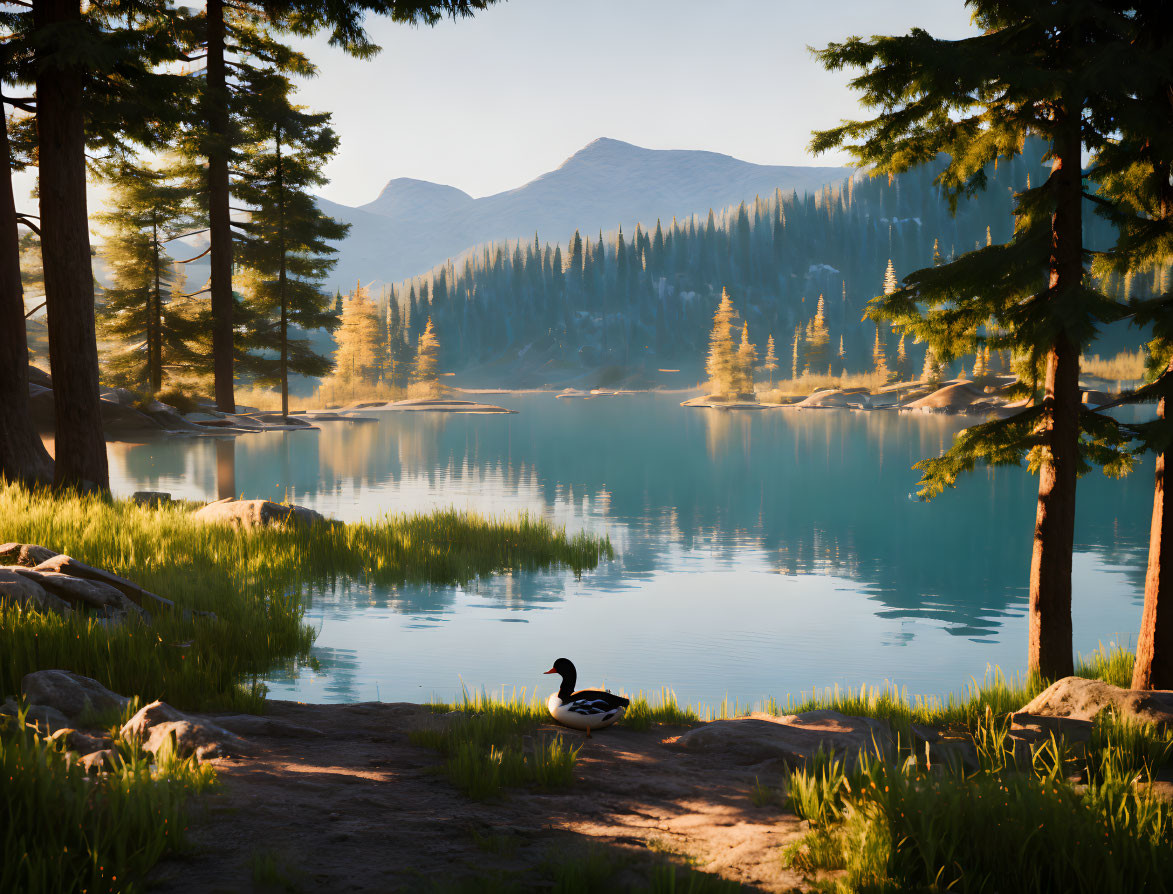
x=64, y=830
x=255, y=582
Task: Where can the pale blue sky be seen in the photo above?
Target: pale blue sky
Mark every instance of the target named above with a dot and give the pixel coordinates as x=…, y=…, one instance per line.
x=486, y=104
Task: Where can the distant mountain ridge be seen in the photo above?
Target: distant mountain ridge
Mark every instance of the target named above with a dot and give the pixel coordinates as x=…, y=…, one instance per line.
x=415, y=224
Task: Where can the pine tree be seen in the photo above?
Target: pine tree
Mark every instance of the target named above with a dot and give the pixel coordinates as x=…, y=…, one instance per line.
x=288, y=240
x=1133, y=174
x=356, y=360
x=902, y=370
x=880, y=359
x=890, y=281
x=721, y=364
x=1036, y=67
x=818, y=340
x=747, y=358
x=150, y=209
x=424, y=373
x=770, y=363
x=794, y=362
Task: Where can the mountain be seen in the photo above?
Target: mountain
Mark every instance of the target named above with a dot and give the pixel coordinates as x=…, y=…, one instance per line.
x=414, y=224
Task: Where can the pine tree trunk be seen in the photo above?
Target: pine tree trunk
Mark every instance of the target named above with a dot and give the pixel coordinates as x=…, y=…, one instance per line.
x=1050, y=646
x=281, y=286
x=1154, y=643
x=22, y=455
x=80, y=445
x=219, y=215
x=155, y=324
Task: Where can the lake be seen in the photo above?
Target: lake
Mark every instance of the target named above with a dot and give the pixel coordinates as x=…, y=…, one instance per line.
x=757, y=553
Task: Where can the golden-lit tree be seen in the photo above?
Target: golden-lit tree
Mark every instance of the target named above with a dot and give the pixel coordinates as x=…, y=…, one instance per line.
x=818, y=340
x=747, y=358
x=425, y=370
x=360, y=335
x=721, y=363
x=880, y=358
x=770, y=362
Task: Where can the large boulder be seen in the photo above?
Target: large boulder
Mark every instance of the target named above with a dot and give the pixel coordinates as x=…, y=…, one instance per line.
x=794, y=738
x=189, y=738
x=256, y=513
x=1082, y=699
x=71, y=694
x=66, y=565
x=83, y=743
x=159, y=724
x=27, y=593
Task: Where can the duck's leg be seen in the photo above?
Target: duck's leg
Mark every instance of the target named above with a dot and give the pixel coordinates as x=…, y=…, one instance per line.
x=588, y=735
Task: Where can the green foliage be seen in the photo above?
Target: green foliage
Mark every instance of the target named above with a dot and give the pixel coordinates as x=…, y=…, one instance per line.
x=255, y=581
x=64, y=830
x=491, y=744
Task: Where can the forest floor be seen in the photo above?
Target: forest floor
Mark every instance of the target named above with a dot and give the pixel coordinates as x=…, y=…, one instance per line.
x=364, y=809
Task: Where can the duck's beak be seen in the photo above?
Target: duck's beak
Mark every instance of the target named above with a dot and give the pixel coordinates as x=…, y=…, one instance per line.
x=550, y=671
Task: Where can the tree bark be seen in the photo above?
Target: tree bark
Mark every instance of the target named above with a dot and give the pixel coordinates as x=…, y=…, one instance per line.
x=155, y=309
x=23, y=457
x=1154, y=644
x=281, y=287
x=80, y=445
x=219, y=215
x=1050, y=647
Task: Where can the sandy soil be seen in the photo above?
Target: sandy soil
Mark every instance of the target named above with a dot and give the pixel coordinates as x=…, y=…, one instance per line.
x=360, y=810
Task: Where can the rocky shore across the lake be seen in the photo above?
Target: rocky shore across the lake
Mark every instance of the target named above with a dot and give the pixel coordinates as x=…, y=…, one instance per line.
x=988, y=396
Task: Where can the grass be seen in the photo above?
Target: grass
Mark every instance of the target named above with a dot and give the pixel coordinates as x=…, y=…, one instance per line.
x=63, y=830
x=255, y=581
x=1078, y=818
x=490, y=744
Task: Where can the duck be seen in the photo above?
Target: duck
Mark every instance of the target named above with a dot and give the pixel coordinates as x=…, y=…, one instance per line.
x=587, y=709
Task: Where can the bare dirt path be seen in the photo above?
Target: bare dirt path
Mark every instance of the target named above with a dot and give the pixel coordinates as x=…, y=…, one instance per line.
x=360, y=810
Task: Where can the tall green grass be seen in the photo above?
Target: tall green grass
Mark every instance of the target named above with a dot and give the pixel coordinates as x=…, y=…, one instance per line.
x=1073, y=819
x=255, y=581
x=490, y=744
x=63, y=830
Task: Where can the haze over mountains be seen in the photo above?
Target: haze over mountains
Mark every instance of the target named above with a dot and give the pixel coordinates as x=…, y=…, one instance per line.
x=414, y=224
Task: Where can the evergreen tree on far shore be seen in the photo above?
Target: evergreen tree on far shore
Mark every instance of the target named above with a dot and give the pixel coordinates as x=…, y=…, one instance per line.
x=770, y=362
x=425, y=370
x=747, y=358
x=720, y=364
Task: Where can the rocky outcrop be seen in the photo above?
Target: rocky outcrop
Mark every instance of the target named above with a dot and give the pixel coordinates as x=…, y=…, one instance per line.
x=142, y=598
x=107, y=600
x=27, y=554
x=794, y=738
x=1080, y=699
x=159, y=725
x=83, y=743
x=71, y=694
x=45, y=719
x=27, y=593
x=252, y=725
x=256, y=513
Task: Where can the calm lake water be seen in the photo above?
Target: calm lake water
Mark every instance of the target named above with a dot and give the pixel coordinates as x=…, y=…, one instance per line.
x=758, y=553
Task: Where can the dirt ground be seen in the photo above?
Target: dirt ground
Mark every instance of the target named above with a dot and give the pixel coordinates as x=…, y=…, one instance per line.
x=359, y=809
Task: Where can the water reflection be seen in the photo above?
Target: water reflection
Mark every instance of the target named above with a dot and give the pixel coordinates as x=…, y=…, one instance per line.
x=759, y=552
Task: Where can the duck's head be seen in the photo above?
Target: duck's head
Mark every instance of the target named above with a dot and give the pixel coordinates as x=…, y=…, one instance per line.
x=564, y=667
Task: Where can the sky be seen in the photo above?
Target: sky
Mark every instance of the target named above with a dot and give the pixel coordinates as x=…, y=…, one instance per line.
x=487, y=104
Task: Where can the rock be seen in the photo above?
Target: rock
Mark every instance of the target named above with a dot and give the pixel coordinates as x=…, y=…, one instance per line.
x=71, y=694
x=958, y=397
x=794, y=738
x=121, y=396
x=252, y=725
x=28, y=554
x=1082, y=699
x=150, y=497
x=38, y=376
x=952, y=754
x=74, y=590
x=140, y=597
x=96, y=762
x=253, y=513
x=1040, y=727
x=193, y=737
x=46, y=719
x=155, y=713
x=82, y=742
x=27, y=593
